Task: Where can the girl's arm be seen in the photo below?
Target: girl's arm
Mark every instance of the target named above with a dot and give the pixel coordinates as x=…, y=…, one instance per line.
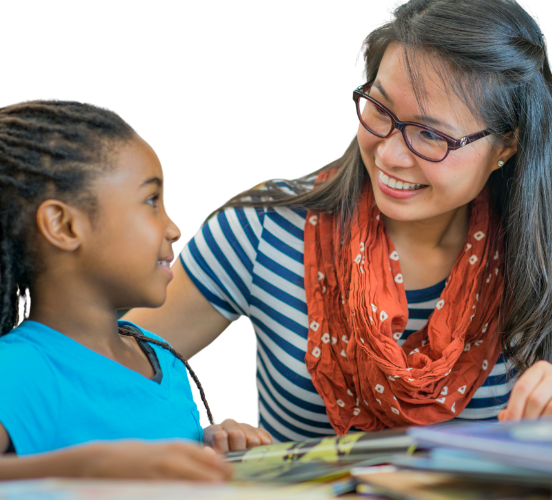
x=187, y=320
x=4, y=439
x=118, y=459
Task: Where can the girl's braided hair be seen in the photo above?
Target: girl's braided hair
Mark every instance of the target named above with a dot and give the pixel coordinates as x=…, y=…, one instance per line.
x=50, y=149
x=47, y=149
x=130, y=332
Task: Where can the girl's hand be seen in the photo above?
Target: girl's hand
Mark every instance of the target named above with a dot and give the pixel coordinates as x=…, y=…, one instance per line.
x=140, y=460
x=532, y=394
x=231, y=436
x=120, y=460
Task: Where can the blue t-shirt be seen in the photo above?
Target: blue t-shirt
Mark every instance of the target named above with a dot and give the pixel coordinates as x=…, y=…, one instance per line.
x=55, y=392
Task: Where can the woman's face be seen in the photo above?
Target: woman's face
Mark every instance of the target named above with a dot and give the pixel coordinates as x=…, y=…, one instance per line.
x=445, y=186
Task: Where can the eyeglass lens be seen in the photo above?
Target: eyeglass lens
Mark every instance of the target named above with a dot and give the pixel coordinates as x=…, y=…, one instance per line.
x=420, y=140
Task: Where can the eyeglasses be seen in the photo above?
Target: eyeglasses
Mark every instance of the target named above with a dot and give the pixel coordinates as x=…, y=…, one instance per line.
x=425, y=142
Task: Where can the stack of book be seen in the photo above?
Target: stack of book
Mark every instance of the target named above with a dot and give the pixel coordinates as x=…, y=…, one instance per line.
x=466, y=460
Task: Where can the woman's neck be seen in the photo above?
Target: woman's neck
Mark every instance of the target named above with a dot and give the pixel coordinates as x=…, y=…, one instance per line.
x=428, y=248
x=443, y=231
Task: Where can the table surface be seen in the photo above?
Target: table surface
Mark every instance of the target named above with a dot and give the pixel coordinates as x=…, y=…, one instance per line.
x=75, y=489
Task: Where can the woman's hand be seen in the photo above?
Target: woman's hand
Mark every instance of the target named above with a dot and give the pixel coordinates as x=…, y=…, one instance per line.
x=231, y=436
x=531, y=396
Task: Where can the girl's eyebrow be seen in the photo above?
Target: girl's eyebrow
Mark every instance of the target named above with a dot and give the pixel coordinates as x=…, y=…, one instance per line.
x=152, y=180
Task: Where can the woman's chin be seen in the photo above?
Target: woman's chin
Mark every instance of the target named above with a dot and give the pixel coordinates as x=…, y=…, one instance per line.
x=397, y=211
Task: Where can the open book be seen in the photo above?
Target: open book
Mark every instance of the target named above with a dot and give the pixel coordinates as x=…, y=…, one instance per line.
x=320, y=459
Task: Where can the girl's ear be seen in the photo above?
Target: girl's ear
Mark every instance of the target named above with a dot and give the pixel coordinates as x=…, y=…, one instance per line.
x=60, y=224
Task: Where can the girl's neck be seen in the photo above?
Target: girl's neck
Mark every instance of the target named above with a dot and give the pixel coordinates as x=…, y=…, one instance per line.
x=77, y=312
x=61, y=301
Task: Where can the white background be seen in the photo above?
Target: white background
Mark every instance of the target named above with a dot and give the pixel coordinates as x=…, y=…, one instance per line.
x=228, y=94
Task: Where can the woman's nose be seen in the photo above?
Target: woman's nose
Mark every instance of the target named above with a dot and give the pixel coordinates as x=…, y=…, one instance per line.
x=394, y=152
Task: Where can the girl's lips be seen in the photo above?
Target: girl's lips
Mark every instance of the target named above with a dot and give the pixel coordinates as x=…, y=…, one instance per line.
x=400, y=194
x=166, y=269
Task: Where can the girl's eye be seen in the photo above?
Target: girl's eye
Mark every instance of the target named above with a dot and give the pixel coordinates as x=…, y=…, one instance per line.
x=153, y=200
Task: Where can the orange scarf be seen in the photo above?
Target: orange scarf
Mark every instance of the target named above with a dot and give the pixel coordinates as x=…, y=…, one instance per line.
x=357, y=311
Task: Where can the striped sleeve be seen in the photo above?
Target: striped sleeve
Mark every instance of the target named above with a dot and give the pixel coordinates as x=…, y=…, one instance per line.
x=219, y=259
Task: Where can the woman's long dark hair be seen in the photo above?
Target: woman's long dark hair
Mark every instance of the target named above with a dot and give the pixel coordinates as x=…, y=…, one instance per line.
x=492, y=54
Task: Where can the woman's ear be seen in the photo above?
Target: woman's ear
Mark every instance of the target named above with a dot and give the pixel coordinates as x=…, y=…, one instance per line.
x=60, y=224
x=504, y=153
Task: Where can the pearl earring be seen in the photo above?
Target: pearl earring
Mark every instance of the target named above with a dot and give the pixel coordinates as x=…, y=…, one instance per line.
x=500, y=163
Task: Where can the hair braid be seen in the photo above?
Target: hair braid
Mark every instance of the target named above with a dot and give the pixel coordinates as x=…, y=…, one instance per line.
x=9, y=303
x=138, y=336
x=47, y=149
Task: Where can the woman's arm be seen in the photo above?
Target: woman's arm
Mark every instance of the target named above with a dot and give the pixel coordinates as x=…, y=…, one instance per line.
x=532, y=394
x=187, y=319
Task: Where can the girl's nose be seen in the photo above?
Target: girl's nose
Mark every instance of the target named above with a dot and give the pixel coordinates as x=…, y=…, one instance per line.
x=173, y=233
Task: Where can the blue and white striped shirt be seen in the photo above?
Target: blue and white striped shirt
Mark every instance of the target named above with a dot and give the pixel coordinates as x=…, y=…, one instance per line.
x=249, y=261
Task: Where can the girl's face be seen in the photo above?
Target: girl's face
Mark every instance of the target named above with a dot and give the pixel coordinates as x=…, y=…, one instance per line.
x=445, y=186
x=129, y=246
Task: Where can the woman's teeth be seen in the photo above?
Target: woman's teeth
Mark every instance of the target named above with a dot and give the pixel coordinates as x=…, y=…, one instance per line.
x=395, y=184
x=163, y=263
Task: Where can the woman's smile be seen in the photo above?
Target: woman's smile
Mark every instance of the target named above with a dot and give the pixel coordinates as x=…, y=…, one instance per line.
x=397, y=188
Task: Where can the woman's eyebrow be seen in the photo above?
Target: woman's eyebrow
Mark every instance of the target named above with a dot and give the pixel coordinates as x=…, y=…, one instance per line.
x=433, y=122
x=152, y=180
x=426, y=120
x=383, y=92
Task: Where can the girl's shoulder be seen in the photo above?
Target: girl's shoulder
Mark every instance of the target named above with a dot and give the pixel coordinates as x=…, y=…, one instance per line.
x=24, y=341
x=161, y=351
x=25, y=362
x=140, y=330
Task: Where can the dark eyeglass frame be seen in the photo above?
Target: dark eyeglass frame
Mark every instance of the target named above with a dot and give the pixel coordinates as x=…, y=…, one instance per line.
x=452, y=143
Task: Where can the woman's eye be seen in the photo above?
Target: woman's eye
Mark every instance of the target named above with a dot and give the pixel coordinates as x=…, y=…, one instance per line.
x=432, y=137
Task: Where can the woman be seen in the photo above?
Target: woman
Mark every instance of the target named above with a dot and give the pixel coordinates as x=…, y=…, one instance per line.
x=438, y=207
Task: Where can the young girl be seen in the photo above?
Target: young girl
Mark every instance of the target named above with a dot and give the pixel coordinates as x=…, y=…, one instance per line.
x=84, y=232
x=399, y=284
